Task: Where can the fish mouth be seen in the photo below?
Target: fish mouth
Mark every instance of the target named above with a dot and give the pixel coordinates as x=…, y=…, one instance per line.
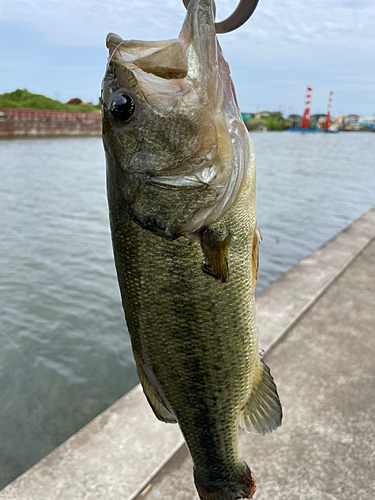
x=209, y=74
x=186, y=77
x=164, y=59
x=112, y=42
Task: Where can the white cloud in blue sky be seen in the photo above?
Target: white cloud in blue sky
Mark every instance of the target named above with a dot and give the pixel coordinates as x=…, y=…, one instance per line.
x=57, y=48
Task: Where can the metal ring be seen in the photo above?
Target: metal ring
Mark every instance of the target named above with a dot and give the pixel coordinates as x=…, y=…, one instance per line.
x=243, y=12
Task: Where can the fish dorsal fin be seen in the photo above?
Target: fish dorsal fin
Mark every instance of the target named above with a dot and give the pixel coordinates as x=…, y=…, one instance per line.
x=255, y=258
x=262, y=413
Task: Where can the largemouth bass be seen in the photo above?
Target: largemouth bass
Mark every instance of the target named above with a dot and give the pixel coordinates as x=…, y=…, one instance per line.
x=182, y=204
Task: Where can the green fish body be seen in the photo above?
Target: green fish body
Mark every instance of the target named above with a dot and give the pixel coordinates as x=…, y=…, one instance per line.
x=182, y=204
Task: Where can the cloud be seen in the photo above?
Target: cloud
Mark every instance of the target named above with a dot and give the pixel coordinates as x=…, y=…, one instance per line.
x=291, y=21
x=285, y=46
x=86, y=22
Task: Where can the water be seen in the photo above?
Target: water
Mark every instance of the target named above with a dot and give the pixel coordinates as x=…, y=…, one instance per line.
x=310, y=186
x=65, y=354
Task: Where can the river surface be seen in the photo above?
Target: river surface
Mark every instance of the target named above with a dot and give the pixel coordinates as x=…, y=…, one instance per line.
x=65, y=352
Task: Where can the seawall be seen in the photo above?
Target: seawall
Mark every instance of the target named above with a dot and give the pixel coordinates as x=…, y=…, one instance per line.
x=16, y=122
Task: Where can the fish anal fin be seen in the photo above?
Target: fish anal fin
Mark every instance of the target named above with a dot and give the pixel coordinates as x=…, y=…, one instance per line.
x=161, y=412
x=215, y=243
x=262, y=413
x=257, y=238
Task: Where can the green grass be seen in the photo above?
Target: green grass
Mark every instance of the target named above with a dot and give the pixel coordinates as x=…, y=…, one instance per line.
x=270, y=122
x=22, y=98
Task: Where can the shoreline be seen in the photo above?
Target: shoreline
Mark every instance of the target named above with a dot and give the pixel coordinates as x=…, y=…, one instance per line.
x=48, y=123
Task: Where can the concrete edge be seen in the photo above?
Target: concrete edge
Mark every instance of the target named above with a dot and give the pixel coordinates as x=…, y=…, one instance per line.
x=281, y=302
x=318, y=295
x=145, y=483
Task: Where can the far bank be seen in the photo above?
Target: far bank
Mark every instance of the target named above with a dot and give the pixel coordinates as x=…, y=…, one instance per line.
x=18, y=122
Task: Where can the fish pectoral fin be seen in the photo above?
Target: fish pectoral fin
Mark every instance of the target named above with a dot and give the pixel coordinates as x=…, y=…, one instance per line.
x=257, y=238
x=262, y=413
x=215, y=243
x=161, y=412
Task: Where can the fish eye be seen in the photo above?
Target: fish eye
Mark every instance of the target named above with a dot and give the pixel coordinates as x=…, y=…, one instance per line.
x=122, y=107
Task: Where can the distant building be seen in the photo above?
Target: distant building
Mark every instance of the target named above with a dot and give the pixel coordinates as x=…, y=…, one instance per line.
x=352, y=120
x=295, y=121
x=317, y=121
x=247, y=116
x=76, y=100
x=317, y=117
x=367, y=121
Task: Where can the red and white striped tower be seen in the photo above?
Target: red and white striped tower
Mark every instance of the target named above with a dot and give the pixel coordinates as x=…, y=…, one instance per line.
x=306, y=113
x=327, y=123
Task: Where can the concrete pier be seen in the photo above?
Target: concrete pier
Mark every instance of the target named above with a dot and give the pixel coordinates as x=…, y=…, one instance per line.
x=317, y=325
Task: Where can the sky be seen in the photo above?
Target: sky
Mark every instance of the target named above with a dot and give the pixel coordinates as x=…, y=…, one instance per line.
x=57, y=48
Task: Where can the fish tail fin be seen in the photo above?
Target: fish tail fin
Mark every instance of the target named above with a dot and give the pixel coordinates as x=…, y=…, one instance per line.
x=242, y=487
x=262, y=413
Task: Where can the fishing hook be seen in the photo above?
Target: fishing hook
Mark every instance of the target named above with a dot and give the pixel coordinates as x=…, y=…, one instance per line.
x=243, y=12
